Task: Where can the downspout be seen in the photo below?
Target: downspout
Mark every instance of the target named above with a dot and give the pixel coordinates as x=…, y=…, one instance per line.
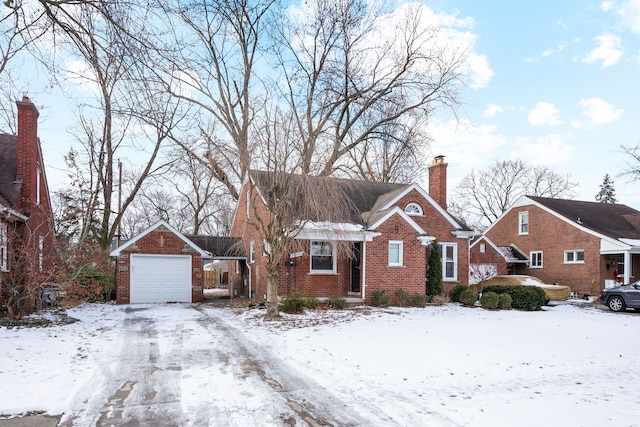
x=249, y=268
x=364, y=267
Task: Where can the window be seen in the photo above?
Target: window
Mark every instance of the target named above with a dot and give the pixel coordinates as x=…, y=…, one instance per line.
x=574, y=257
x=38, y=178
x=322, y=259
x=4, y=265
x=535, y=259
x=413, y=209
x=620, y=266
x=449, y=261
x=483, y=247
x=252, y=250
x=395, y=253
x=266, y=247
x=523, y=223
x=248, y=203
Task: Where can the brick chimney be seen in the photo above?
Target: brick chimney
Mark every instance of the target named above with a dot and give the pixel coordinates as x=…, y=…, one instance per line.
x=438, y=181
x=27, y=153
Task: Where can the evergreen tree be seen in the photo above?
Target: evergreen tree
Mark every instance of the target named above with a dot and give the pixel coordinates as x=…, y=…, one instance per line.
x=607, y=194
x=434, y=273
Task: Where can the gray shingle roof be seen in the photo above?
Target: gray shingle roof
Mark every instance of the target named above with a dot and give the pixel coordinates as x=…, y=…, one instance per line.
x=9, y=189
x=610, y=219
x=219, y=246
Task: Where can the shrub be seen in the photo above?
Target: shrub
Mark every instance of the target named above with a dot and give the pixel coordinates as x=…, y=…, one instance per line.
x=434, y=271
x=293, y=303
x=504, y=301
x=420, y=300
x=530, y=298
x=455, y=292
x=311, y=303
x=337, y=302
x=468, y=297
x=489, y=300
x=402, y=297
x=440, y=299
x=380, y=298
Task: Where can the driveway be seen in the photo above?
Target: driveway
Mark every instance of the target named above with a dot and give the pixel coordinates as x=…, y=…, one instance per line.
x=200, y=370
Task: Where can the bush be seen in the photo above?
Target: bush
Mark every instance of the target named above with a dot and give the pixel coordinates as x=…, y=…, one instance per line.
x=311, y=303
x=489, y=300
x=468, y=297
x=293, y=303
x=455, y=292
x=402, y=297
x=504, y=301
x=337, y=302
x=530, y=298
x=440, y=299
x=420, y=300
x=380, y=299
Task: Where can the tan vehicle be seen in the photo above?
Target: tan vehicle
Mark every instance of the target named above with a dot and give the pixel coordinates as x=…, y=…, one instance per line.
x=553, y=292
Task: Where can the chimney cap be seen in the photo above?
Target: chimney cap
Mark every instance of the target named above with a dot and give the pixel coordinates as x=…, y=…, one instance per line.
x=25, y=98
x=438, y=159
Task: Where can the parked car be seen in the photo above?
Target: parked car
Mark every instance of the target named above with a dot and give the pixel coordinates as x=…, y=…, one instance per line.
x=622, y=297
x=553, y=292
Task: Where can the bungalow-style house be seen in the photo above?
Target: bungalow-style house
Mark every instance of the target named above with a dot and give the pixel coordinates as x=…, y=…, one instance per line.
x=26, y=219
x=389, y=227
x=587, y=246
x=161, y=264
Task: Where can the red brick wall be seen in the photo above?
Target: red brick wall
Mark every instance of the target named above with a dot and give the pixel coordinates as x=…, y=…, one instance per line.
x=379, y=275
x=489, y=256
x=158, y=242
x=553, y=236
x=438, y=182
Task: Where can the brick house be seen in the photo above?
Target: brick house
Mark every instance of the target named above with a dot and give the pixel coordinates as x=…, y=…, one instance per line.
x=585, y=245
x=26, y=219
x=389, y=228
x=161, y=264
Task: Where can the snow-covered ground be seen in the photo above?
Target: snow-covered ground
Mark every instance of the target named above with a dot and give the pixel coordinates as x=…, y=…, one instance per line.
x=571, y=364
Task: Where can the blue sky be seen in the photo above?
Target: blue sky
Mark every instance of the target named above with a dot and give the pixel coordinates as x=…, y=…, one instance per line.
x=561, y=89
x=556, y=83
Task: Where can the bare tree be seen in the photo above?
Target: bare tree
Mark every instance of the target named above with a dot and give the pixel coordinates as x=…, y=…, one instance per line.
x=354, y=74
x=485, y=194
x=633, y=162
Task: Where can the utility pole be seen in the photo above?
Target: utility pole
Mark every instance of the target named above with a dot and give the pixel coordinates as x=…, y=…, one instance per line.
x=119, y=201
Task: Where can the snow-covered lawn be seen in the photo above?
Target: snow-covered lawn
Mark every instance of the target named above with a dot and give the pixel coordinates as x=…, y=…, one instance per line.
x=571, y=364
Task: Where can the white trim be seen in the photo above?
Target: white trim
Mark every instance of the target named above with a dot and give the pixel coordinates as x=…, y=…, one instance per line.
x=575, y=253
x=161, y=223
x=429, y=199
x=443, y=255
x=521, y=215
x=404, y=215
x=400, y=262
x=419, y=212
x=531, y=253
x=4, y=247
x=333, y=258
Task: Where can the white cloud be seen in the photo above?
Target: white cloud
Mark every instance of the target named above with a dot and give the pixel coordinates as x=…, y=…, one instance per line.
x=606, y=6
x=609, y=50
x=480, y=70
x=597, y=112
x=491, y=110
x=547, y=149
x=559, y=48
x=544, y=114
x=630, y=15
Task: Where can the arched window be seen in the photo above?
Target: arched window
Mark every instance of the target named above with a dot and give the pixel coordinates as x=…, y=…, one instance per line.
x=413, y=209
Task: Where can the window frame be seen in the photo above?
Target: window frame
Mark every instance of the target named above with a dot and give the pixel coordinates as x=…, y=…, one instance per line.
x=574, y=253
x=443, y=257
x=252, y=252
x=312, y=255
x=522, y=216
x=400, y=261
x=540, y=261
x=413, y=205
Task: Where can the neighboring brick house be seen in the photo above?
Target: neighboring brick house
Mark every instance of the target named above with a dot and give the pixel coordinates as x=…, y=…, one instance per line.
x=163, y=265
x=389, y=228
x=26, y=219
x=585, y=245
x=485, y=258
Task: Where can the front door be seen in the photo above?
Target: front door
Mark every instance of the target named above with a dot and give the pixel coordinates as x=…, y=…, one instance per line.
x=356, y=276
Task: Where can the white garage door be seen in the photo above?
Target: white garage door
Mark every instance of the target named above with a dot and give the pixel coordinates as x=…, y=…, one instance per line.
x=160, y=278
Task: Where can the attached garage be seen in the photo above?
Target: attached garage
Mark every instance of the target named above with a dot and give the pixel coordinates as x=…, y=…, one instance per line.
x=160, y=278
